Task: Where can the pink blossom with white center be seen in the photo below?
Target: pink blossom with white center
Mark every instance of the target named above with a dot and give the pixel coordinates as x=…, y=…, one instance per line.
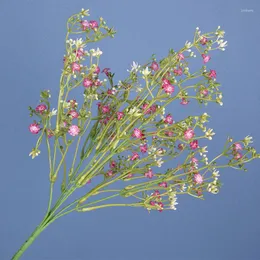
x=80, y=52
x=64, y=123
x=203, y=40
x=163, y=184
x=34, y=128
x=106, y=71
x=153, y=109
x=93, y=24
x=149, y=174
x=120, y=115
x=75, y=66
x=181, y=56
x=238, y=156
x=137, y=133
x=238, y=146
x=105, y=109
x=154, y=66
x=161, y=205
x=134, y=156
x=85, y=24
x=204, y=92
x=73, y=130
x=74, y=114
x=169, y=133
x=206, y=58
x=178, y=72
x=111, y=92
x=143, y=148
x=168, y=119
x=198, y=179
x=156, y=193
x=212, y=74
x=166, y=81
x=87, y=82
x=110, y=173
x=188, y=134
x=97, y=70
x=112, y=164
x=40, y=108
x=152, y=203
x=184, y=101
x=169, y=89
x=194, y=144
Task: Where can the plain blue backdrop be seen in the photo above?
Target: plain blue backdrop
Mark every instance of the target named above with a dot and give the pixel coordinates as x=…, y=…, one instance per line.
x=223, y=227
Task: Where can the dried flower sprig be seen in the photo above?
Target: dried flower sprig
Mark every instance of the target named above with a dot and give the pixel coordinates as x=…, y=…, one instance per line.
x=122, y=138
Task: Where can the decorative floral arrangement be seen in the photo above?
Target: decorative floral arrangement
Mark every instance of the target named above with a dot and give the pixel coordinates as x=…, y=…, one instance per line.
x=118, y=135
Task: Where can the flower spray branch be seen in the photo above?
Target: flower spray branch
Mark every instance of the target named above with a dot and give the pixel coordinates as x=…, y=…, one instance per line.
x=120, y=135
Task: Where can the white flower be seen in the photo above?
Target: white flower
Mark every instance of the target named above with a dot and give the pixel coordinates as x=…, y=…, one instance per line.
x=248, y=140
x=173, y=199
x=135, y=67
x=159, y=162
x=134, y=111
x=222, y=44
x=35, y=152
x=188, y=45
x=146, y=72
x=96, y=53
x=209, y=133
x=53, y=112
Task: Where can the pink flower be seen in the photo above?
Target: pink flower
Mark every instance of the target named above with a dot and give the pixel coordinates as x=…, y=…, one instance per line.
x=41, y=108
x=80, y=52
x=188, y=134
x=74, y=114
x=181, y=56
x=34, y=128
x=73, y=130
x=194, y=160
x=169, y=89
x=154, y=66
x=87, y=82
x=129, y=175
x=97, y=70
x=106, y=120
x=110, y=92
x=238, y=156
x=206, y=58
x=84, y=24
x=238, y=146
x=143, y=148
x=105, y=109
x=120, y=115
x=93, y=24
x=163, y=184
x=160, y=204
x=178, y=72
x=168, y=119
x=112, y=164
x=75, y=66
x=198, y=179
x=49, y=133
x=152, y=203
x=153, y=108
x=149, y=174
x=166, y=81
x=194, y=144
x=106, y=71
x=212, y=74
x=204, y=92
x=98, y=83
x=184, y=101
x=135, y=156
x=110, y=173
x=169, y=133
x=137, y=133
x=203, y=40
x=156, y=193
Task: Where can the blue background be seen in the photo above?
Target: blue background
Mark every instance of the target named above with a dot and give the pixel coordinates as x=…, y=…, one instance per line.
x=224, y=227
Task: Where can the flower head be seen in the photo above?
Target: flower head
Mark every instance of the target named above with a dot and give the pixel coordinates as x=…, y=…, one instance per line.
x=73, y=130
x=154, y=66
x=194, y=144
x=168, y=119
x=189, y=133
x=137, y=133
x=93, y=24
x=87, y=82
x=34, y=128
x=206, y=58
x=198, y=179
x=134, y=156
x=149, y=174
x=41, y=108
